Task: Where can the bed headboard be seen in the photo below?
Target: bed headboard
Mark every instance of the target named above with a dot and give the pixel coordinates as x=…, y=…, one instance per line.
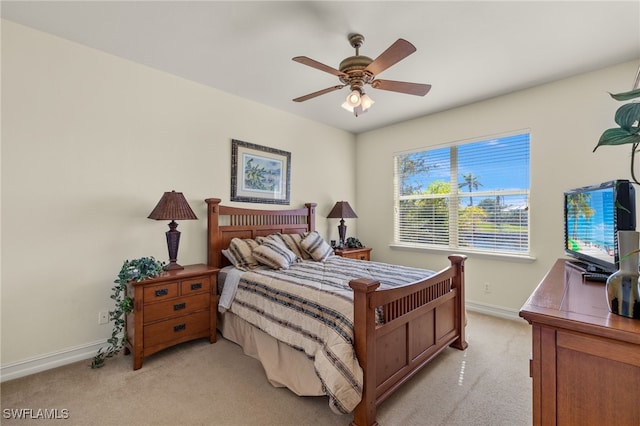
x=226, y=223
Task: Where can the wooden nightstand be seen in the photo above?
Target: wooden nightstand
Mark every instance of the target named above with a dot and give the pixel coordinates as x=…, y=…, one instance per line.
x=175, y=307
x=363, y=253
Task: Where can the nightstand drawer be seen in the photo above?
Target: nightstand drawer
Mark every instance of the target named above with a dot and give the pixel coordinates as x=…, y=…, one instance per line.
x=156, y=293
x=363, y=253
x=358, y=255
x=198, y=285
x=176, y=307
x=176, y=329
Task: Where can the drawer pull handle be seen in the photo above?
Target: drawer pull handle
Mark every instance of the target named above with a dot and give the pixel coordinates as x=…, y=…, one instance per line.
x=162, y=292
x=196, y=286
x=179, y=306
x=179, y=327
x=361, y=257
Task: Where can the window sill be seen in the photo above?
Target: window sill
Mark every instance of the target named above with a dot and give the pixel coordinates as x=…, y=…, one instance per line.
x=472, y=253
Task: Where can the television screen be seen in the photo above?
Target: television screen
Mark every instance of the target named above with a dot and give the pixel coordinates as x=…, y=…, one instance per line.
x=593, y=215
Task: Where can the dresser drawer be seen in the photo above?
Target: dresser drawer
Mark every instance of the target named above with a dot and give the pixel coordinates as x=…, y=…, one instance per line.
x=197, y=285
x=176, y=307
x=156, y=293
x=176, y=329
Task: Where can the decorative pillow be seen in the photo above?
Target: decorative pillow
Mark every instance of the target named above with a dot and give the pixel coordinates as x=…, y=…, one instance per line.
x=292, y=242
x=274, y=255
x=240, y=254
x=317, y=247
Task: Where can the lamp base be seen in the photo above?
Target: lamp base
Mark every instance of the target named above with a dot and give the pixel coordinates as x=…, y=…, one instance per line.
x=173, y=241
x=173, y=266
x=342, y=231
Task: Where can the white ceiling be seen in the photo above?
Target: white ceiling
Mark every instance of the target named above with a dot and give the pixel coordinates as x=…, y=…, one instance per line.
x=467, y=50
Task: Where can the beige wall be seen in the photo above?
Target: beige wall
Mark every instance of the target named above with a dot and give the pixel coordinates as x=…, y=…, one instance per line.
x=91, y=141
x=89, y=144
x=565, y=119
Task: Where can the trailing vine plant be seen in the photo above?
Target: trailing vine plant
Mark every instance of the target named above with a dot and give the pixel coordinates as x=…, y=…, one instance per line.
x=132, y=270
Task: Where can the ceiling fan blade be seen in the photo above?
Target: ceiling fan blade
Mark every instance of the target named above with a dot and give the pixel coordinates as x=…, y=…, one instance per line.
x=394, y=54
x=318, y=93
x=402, y=87
x=317, y=65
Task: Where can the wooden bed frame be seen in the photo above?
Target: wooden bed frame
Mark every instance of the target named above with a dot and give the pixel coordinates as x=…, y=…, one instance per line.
x=421, y=319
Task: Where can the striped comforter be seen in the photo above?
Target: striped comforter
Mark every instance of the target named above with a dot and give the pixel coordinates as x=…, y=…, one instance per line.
x=310, y=307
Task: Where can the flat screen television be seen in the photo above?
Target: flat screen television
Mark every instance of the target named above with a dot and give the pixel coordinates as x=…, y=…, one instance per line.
x=592, y=217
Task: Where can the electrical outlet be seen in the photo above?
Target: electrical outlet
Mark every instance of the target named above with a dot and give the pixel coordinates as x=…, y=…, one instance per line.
x=103, y=317
x=487, y=288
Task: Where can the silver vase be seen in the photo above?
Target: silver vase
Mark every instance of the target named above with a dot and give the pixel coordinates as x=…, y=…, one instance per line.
x=622, y=286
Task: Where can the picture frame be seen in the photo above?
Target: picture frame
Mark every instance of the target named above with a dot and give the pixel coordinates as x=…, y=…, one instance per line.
x=259, y=174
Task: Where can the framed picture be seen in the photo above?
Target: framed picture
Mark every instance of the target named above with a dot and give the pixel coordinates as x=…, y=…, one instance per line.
x=259, y=174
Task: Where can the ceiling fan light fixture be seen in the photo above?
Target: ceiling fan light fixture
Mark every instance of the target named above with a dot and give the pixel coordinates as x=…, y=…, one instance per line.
x=366, y=102
x=357, y=110
x=353, y=100
x=357, y=102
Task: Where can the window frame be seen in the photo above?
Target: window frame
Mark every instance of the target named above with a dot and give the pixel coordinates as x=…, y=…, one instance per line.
x=454, y=199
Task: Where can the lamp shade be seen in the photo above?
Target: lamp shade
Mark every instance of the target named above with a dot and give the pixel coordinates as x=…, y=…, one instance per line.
x=353, y=100
x=172, y=206
x=366, y=102
x=342, y=210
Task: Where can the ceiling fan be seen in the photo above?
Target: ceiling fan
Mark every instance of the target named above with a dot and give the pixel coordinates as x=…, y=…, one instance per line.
x=358, y=71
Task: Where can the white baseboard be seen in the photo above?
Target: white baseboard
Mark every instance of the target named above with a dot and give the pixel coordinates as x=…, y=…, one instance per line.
x=49, y=361
x=496, y=311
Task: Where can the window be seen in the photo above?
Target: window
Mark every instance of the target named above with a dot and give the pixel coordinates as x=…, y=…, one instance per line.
x=472, y=196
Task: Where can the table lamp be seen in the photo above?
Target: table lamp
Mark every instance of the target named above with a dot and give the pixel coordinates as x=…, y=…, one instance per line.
x=172, y=206
x=342, y=210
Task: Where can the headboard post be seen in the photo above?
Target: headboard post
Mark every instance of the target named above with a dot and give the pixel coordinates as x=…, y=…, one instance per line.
x=311, y=221
x=213, y=229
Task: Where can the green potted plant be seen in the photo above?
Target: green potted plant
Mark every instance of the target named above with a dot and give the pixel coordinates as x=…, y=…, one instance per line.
x=628, y=119
x=132, y=270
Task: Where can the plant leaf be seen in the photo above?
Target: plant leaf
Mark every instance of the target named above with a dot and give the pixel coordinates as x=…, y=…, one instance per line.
x=627, y=116
x=617, y=136
x=625, y=96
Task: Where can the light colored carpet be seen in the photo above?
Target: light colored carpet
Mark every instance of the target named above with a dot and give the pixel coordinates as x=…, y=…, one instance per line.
x=201, y=384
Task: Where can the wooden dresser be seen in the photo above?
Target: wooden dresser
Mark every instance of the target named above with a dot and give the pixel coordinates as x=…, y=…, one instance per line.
x=175, y=307
x=585, y=360
x=362, y=253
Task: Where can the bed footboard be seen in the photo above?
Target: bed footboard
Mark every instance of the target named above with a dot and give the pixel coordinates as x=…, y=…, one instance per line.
x=418, y=322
